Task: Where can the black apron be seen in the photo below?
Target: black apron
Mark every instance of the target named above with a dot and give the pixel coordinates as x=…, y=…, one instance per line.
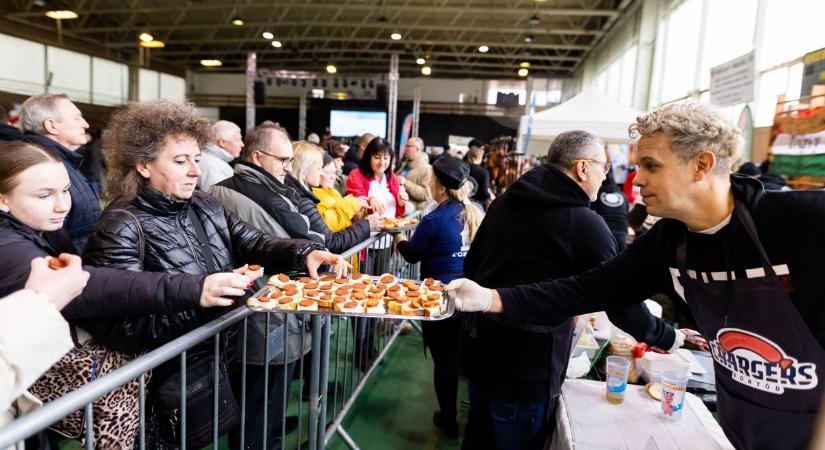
x=765, y=357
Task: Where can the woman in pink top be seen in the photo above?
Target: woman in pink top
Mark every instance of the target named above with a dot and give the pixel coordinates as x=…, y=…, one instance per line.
x=375, y=181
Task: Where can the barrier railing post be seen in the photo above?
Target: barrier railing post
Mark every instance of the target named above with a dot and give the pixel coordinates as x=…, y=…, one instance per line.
x=242, y=431
x=266, y=382
x=324, y=379
x=90, y=428
x=182, y=412
x=301, y=368
x=284, y=392
x=314, y=378
x=337, y=358
x=215, y=389
x=142, y=419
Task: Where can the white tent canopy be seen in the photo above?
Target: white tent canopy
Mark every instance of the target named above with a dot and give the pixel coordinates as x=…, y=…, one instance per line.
x=589, y=111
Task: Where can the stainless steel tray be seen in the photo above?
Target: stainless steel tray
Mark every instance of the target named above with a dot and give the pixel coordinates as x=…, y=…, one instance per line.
x=448, y=308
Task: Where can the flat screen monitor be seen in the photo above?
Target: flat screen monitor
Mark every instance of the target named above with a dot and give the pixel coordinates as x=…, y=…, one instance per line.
x=355, y=123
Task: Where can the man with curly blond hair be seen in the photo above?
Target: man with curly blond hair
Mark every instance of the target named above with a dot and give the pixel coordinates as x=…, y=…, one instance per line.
x=742, y=261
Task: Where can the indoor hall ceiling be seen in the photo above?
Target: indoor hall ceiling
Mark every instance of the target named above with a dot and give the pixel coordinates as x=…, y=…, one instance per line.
x=554, y=36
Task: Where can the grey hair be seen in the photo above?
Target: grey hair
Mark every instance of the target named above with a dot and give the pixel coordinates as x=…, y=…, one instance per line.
x=693, y=128
x=38, y=109
x=260, y=138
x=417, y=141
x=223, y=129
x=572, y=145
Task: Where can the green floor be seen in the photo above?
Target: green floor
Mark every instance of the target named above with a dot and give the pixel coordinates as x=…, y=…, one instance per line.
x=395, y=410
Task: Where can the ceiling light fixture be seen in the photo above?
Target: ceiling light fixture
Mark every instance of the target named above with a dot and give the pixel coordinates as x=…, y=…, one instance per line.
x=426, y=70
x=277, y=44
x=420, y=61
x=146, y=37
x=211, y=62
x=155, y=43
x=534, y=20
x=331, y=68
x=61, y=14
x=524, y=65
x=528, y=39
x=268, y=35
x=237, y=21
x=395, y=36
x=483, y=49
x=523, y=72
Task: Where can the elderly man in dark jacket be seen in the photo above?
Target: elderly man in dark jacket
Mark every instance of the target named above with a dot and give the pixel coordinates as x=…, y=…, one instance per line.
x=52, y=121
x=541, y=228
x=257, y=193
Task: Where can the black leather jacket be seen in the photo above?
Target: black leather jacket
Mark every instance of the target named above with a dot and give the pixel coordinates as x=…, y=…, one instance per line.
x=109, y=293
x=171, y=245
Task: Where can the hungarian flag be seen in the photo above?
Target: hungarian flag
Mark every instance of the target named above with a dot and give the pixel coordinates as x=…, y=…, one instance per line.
x=799, y=154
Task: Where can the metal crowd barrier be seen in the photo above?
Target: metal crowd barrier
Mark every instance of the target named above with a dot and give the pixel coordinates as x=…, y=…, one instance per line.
x=359, y=346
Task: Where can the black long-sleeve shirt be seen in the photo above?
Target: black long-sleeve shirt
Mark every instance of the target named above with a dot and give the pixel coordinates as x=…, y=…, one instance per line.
x=789, y=224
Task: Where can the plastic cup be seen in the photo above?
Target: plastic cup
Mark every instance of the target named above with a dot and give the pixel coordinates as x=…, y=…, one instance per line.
x=674, y=385
x=616, y=384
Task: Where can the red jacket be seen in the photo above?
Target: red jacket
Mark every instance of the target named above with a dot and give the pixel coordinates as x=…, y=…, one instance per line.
x=359, y=186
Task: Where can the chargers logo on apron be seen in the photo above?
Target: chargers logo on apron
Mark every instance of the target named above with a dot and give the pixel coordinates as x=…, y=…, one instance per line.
x=760, y=363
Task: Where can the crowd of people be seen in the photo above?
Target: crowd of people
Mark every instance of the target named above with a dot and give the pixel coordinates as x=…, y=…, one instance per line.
x=189, y=205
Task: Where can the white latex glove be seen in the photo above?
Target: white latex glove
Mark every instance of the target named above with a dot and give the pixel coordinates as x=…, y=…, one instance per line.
x=470, y=296
x=678, y=341
x=693, y=337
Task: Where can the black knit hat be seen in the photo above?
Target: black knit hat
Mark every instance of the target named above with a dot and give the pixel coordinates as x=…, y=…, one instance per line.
x=451, y=172
x=475, y=143
x=327, y=159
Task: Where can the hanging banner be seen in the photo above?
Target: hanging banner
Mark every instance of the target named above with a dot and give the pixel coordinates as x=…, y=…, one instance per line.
x=800, y=154
x=732, y=83
x=406, y=128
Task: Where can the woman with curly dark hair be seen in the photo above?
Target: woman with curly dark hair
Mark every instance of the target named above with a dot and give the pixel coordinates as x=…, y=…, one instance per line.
x=157, y=221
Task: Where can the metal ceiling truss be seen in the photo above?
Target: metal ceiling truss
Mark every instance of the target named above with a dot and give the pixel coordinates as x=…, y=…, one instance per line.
x=554, y=35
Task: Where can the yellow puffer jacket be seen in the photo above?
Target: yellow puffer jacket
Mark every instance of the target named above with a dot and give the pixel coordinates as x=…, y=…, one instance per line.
x=336, y=210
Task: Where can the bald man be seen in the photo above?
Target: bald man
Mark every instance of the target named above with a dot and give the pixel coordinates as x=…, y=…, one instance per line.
x=226, y=146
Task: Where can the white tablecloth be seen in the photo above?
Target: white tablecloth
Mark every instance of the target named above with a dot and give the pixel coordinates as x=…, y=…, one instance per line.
x=585, y=421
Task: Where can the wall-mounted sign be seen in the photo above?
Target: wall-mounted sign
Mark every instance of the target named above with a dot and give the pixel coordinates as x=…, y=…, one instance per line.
x=732, y=83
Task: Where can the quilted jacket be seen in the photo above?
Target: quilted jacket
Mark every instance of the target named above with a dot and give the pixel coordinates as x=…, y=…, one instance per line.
x=171, y=245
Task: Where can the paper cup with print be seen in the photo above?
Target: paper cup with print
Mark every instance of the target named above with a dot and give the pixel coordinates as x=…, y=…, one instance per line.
x=617, y=370
x=674, y=385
